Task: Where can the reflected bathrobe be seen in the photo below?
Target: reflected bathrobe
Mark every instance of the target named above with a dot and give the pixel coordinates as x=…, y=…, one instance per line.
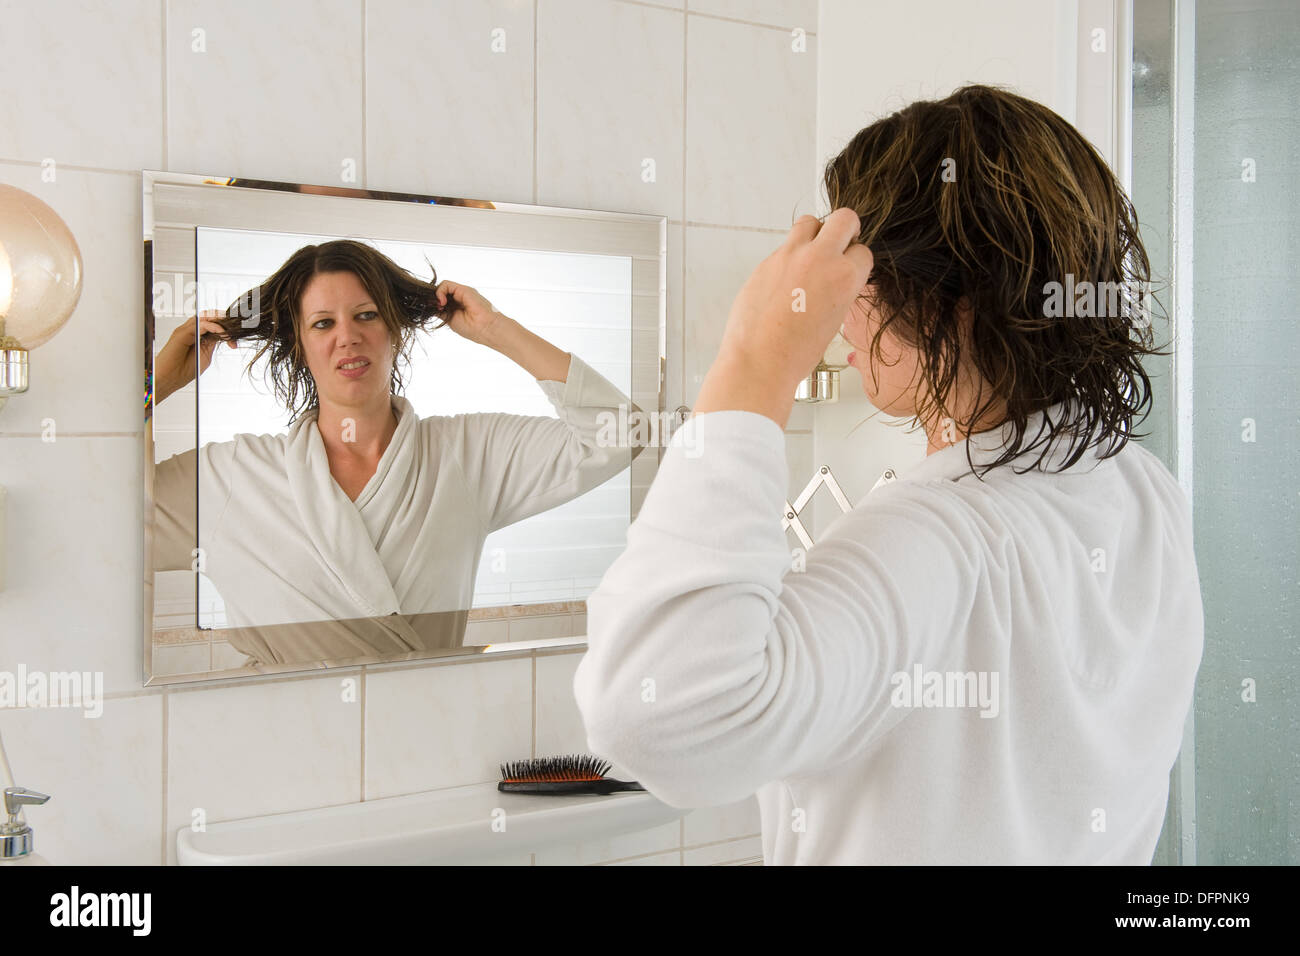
x=283, y=543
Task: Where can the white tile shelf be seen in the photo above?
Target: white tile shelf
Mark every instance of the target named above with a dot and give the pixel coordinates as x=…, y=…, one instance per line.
x=451, y=826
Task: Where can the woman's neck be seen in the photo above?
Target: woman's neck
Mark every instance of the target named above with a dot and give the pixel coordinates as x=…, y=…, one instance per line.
x=360, y=432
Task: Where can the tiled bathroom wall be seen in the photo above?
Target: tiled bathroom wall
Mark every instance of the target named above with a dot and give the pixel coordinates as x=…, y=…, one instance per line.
x=557, y=102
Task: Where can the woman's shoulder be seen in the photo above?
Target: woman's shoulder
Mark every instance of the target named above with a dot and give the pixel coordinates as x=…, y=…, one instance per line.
x=244, y=449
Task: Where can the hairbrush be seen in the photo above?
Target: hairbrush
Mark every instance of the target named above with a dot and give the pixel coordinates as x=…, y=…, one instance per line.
x=561, y=776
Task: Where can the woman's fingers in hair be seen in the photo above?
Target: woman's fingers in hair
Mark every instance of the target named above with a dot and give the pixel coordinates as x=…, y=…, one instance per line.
x=446, y=291
x=840, y=228
x=805, y=228
x=837, y=234
x=208, y=325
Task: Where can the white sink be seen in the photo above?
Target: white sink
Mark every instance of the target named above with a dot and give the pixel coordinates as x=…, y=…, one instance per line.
x=452, y=826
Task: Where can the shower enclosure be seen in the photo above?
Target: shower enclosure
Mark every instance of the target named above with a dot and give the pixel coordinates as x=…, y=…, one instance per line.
x=1214, y=136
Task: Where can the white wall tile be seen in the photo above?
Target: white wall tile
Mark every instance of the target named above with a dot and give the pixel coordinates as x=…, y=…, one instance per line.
x=673, y=4
x=252, y=749
x=560, y=731
x=609, y=96
x=718, y=261
x=82, y=83
x=275, y=94
x=73, y=591
x=103, y=776
x=752, y=169
x=445, y=726
x=90, y=376
x=781, y=13
x=449, y=98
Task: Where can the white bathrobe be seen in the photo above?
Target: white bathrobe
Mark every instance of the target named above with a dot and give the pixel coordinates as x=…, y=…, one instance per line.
x=717, y=667
x=283, y=543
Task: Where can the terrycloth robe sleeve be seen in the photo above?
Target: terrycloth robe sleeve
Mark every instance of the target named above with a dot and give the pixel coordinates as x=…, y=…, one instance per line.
x=759, y=672
x=176, y=502
x=176, y=506
x=521, y=465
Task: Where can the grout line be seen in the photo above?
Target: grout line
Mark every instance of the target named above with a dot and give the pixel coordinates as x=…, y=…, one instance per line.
x=66, y=166
x=535, y=102
x=709, y=843
x=166, y=107
x=682, y=852
x=776, y=230
x=63, y=434
x=712, y=16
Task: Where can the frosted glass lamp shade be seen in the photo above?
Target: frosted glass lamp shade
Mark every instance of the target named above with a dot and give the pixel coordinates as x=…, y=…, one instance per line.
x=40, y=270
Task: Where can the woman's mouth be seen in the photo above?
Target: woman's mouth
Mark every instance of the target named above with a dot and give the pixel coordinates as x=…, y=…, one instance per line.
x=354, y=368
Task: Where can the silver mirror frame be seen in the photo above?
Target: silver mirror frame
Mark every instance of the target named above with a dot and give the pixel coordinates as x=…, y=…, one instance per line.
x=191, y=200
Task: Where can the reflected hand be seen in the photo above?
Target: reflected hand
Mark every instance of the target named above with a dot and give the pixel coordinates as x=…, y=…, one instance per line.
x=472, y=316
x=173, y=367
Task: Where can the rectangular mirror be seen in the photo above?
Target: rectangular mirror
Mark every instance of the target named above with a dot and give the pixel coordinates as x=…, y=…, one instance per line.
x=459, y=505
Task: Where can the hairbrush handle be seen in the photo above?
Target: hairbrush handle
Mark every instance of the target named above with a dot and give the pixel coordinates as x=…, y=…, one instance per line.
x=566, y=788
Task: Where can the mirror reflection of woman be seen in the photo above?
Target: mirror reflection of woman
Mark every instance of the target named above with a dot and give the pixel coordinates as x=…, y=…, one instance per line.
x=363, y=509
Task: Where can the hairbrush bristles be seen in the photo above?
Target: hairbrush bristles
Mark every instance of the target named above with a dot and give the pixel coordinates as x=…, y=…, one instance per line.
x=574, y=767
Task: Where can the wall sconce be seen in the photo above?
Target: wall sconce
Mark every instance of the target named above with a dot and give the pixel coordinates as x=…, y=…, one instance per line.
x=40, y=281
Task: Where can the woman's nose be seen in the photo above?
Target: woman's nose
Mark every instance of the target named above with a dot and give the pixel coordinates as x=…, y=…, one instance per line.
x=348, y=331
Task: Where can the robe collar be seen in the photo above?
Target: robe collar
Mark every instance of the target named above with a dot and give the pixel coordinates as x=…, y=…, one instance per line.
x=986, y=447
x=333, y=522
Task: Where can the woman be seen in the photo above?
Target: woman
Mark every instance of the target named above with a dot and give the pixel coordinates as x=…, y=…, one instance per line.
x=973, y=667
x=363, y=509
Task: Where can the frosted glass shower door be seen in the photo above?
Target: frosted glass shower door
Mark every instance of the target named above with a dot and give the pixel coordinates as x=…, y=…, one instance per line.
x=1216, y=129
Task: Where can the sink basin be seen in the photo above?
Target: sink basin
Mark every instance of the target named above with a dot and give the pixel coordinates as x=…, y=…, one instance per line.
x=451, y=826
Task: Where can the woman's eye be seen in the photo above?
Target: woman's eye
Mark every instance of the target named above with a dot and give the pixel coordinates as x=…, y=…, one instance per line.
x=362, y=315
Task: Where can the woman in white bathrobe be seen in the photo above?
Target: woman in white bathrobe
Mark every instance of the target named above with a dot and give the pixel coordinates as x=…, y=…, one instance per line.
x=364, y=510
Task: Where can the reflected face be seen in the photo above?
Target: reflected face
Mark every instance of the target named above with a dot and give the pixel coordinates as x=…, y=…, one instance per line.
x=346, y=344
x=892, y=390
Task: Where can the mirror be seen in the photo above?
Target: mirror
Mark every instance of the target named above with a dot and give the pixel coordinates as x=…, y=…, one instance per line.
x=305, y=506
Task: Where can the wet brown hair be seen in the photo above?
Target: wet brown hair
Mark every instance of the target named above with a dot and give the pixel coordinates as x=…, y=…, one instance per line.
x=270, y=312
x=987, y=198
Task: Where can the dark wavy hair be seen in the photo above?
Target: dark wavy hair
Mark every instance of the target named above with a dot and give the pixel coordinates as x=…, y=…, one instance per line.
x=270, y=312
x=988, y=198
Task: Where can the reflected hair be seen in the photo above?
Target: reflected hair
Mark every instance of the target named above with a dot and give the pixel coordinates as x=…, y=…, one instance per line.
x=990, y=199
x=270, y=313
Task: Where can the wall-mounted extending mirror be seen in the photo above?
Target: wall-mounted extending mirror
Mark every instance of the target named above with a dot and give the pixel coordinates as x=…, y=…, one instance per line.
x=384, y=427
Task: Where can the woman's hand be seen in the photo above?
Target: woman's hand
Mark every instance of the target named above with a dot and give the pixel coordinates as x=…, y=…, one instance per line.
x=173, y=367
x=785, y=315
x=473, y=316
